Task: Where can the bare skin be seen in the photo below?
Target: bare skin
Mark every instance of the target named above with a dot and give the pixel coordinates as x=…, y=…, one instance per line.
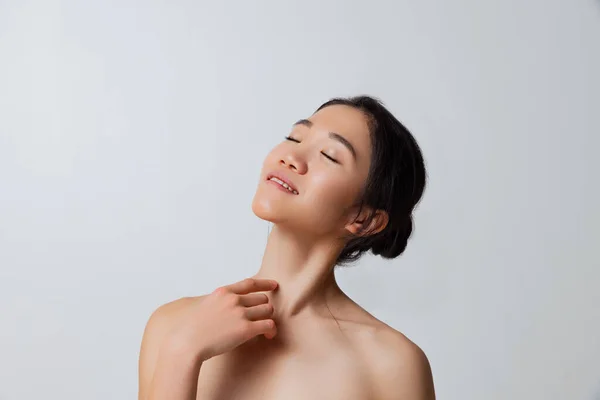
x=290, y=332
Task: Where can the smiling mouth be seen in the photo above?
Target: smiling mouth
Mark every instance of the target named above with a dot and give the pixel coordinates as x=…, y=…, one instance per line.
x=283, y=184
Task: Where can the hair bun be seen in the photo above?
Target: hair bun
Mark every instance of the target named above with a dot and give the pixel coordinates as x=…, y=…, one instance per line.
x=393, y=241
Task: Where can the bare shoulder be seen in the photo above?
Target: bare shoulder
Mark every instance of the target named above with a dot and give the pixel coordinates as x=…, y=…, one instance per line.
x=157, y=327
x=162, y=319
x=168, y=312
x=399, y=369
x=402, y=370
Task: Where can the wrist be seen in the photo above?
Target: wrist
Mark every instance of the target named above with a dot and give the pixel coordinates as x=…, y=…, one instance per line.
x=176, y=347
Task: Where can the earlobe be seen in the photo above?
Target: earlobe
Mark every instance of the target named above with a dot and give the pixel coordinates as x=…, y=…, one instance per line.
x=355, y=227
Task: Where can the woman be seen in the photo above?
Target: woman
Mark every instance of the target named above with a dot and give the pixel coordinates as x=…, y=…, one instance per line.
x=345, y=181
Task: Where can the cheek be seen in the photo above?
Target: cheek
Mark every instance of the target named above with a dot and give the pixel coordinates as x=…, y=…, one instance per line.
x=333, y=193
x=329, y=201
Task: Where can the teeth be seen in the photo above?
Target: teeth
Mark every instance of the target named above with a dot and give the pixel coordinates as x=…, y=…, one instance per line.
x=285, y=185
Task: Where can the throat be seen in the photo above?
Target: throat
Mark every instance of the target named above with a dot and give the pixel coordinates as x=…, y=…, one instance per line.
x=303, y=269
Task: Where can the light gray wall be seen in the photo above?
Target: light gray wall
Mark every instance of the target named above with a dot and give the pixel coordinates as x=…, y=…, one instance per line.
x=131, y=136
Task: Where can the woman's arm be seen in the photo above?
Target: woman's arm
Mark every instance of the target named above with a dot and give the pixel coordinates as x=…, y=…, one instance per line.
x=175, y=377
x=161, y=368
x=182, y=334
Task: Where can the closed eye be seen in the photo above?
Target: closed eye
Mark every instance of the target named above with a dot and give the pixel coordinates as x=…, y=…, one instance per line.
x=330, y=158
x=291, y=139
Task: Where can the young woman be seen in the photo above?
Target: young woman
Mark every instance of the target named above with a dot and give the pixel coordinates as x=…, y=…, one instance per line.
x=345, y=181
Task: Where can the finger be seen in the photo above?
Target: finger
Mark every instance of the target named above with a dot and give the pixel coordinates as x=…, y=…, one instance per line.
x=253, y=299
x=270, y=335
x=250, y=285
x=265, y=327
x=262, y=311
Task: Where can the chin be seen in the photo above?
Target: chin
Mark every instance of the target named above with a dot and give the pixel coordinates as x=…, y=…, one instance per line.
x=265, y=209
x=269, y=205
x=272, y=210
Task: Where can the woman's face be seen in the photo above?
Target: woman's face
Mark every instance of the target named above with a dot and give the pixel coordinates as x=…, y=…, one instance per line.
x=324, y=163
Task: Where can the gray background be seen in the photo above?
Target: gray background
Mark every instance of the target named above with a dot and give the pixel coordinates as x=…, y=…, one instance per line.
x=131, y=137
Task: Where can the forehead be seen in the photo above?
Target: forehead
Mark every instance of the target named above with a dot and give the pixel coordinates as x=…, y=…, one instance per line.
x=347, y=121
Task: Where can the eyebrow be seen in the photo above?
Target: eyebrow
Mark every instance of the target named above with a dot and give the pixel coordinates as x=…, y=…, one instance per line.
x=332, y=135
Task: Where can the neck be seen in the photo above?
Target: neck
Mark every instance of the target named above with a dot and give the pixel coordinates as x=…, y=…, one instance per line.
x=302, y=267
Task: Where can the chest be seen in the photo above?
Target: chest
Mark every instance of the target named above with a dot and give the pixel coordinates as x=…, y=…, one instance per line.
x=327, y=372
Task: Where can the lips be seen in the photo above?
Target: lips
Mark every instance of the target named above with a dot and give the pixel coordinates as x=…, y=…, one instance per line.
x=283, y=179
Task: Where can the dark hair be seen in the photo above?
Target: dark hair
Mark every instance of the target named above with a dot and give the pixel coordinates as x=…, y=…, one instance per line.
x=395, y=183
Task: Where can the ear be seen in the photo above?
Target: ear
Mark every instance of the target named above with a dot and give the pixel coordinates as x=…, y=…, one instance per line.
x=377, y=224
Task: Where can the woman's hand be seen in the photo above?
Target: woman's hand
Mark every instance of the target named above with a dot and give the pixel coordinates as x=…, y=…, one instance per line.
x=226, y=318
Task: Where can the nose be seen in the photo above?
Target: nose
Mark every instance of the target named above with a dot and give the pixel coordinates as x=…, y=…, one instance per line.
x=294, y=162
